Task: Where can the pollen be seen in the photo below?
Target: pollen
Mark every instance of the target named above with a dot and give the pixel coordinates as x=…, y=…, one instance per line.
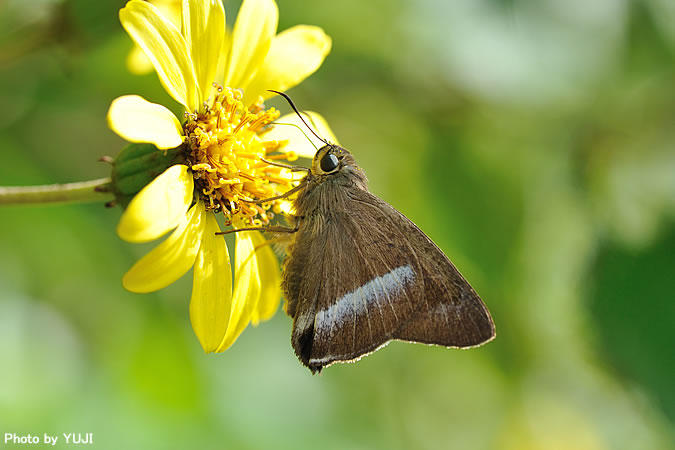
x=227, y=156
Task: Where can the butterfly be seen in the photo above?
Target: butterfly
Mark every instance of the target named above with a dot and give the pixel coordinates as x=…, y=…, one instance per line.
x=359, y=274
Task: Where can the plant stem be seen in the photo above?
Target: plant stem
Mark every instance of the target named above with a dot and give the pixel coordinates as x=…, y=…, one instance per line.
x=84, y=191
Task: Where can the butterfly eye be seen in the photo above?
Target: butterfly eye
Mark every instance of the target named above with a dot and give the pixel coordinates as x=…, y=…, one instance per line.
x=329, y=162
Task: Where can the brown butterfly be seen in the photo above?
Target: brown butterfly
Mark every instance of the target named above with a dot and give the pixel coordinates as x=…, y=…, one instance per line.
x=359, y=274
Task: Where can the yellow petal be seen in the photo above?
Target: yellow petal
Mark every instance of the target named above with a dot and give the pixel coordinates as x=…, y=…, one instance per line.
x=137, y=62
x=170, y=9
x=211, y=288
x=294, y=55
x=299, y=143
x=288, y=208
x=165, y=47
x=159, y=207
x=138, y=120
x=251, y=39
x=223, y=59
x=270, y=278
x=246, y=288
x=172, y=258
x=204, y=29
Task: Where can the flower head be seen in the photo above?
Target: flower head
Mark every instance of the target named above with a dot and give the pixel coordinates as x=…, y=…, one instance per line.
x=225, y=140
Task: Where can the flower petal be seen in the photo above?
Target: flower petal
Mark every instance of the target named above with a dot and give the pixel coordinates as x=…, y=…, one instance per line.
x=137, y=120
x=294, y=55
x=159, y=207
x=224, y=57
x=165, y=47
x=251, y=39
x=204, y=28
x=172, y=258
x=137, y=62
x=270, y=277
x=299, y=143
x=211, y=304
x=246, y=288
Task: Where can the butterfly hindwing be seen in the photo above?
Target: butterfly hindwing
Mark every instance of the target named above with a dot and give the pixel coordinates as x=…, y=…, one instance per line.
x=369, y=275
x=453, y=314
x=449, y=311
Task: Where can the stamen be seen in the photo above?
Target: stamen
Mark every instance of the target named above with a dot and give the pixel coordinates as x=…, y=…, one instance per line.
x=279, y=180
x=246, y=119
x=281, y=156
x=226, y=154
x=247, y=176
x=273, y=146
x=249, y=155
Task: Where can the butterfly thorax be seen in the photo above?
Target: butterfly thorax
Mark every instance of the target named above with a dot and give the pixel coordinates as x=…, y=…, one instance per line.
x=327, y=187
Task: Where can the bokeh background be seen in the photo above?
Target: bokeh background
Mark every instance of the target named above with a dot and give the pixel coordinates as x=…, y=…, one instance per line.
x=533, y=140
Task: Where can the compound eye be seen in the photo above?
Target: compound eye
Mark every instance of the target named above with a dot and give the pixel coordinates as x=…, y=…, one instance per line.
x=329, y=162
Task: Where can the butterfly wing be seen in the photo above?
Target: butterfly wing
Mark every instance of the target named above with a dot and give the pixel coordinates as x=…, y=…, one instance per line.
x=452, y=314
x=349, y=287
x=361, y=275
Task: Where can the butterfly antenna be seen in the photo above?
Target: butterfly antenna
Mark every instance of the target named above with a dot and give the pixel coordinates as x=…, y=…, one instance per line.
x=290, y=102
x=300, y=130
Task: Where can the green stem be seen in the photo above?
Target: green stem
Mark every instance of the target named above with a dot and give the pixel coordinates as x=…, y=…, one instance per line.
x=84, y=191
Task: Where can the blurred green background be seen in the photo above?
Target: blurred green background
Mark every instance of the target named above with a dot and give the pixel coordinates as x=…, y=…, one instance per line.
x=533, y=140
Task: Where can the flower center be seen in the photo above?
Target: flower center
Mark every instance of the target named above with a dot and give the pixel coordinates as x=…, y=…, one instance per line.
x=226, y=152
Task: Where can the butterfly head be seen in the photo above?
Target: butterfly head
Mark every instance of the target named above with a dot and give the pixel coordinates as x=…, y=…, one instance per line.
x=330, y=159
x=332, y=162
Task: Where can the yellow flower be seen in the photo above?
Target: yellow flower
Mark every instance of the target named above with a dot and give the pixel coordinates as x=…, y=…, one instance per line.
x=223, y=140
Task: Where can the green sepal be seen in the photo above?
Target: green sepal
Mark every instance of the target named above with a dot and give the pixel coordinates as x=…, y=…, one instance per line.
x=137, y=165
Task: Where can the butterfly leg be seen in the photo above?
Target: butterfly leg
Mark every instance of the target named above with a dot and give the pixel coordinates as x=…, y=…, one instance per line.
x=286, y=166
x=278, y=197
x=268, y=229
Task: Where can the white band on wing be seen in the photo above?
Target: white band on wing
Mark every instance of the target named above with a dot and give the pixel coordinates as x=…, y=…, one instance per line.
x=356, y=302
